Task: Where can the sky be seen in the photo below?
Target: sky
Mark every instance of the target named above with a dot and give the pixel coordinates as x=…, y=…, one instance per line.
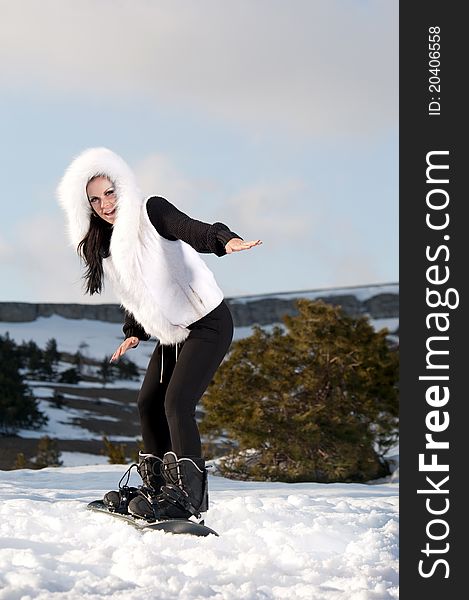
x=278, y=119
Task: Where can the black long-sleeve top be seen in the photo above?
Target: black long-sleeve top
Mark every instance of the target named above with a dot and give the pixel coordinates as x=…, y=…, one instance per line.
x=173, y=224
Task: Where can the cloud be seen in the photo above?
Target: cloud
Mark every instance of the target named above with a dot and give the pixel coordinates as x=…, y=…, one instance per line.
x=304, y=238
x=158, y=175
x=273, y=211
x=308, y=67
x=45, y=265
x=286, y=214
x=345, y=255
x=6, y=251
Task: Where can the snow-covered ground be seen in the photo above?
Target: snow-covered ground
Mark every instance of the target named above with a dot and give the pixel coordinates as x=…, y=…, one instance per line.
x=277, y=541
x=61, y=421
x=60, y=425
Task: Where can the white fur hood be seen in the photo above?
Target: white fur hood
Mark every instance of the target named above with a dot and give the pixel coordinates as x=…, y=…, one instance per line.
x=71, y=191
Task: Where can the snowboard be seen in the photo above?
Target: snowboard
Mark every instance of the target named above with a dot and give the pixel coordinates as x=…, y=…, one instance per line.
x=180, y=526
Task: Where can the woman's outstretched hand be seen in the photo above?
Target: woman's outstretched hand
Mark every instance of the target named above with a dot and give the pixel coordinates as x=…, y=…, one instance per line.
x=131, y=342
x=237, y=244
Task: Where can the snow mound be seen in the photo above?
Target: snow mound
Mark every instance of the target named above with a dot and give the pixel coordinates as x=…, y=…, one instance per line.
x=277, y=541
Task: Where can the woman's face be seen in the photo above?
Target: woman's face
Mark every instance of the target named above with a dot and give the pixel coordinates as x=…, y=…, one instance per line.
x=102, y=197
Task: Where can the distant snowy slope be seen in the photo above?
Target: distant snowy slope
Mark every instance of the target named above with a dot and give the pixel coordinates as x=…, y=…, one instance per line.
x=101, y=337
x=277, y=541
x=361, y=293
x=390, y=324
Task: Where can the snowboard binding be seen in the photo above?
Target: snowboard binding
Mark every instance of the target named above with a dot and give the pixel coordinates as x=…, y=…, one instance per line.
x=149, y=469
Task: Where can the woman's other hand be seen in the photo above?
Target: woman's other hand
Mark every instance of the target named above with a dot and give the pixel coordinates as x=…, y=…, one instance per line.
x=237, y=244
x=131, y=342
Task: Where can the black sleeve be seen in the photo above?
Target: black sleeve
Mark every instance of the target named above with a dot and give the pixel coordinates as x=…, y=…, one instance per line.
x=173, y=224
x=132, y=328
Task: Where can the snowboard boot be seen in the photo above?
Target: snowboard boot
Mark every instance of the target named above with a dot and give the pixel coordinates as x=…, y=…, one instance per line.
x=184, y=495
x=149, y=469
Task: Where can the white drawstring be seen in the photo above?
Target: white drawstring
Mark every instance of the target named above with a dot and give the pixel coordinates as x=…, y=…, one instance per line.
x=161, y=377
x=162, y=362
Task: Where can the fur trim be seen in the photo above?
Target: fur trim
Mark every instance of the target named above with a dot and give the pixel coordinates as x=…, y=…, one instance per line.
x=71, y=191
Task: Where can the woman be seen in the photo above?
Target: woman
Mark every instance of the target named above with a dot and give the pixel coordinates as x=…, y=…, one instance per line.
x=148, y=250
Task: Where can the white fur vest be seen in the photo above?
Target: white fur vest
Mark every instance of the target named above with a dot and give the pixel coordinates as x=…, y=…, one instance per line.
x=165, y=284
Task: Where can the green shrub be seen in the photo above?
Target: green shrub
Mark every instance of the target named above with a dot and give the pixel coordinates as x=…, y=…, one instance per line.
x=116, y=453
x=317, y=402
x=48, y=454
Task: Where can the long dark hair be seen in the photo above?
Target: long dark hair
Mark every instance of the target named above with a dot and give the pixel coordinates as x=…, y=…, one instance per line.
x=92, y=249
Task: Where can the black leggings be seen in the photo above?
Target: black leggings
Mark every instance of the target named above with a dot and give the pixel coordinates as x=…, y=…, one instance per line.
x=167, y=403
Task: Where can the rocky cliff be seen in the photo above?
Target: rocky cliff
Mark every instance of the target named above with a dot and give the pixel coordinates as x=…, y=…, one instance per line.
x=377, y=301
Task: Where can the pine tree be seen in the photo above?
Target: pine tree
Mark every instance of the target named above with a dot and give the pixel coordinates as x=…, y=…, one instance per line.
x=107, y=371
x=38, y=363
x=18, y=407
x=69, y=376
x=126, y=369
x=52, y=355
x=32, y=358
x=318, y=402
x=58, y=399
x=81, y=358
x=78, y=362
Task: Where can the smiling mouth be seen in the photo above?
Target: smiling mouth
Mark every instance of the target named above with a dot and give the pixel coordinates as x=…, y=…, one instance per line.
x=109, y=213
